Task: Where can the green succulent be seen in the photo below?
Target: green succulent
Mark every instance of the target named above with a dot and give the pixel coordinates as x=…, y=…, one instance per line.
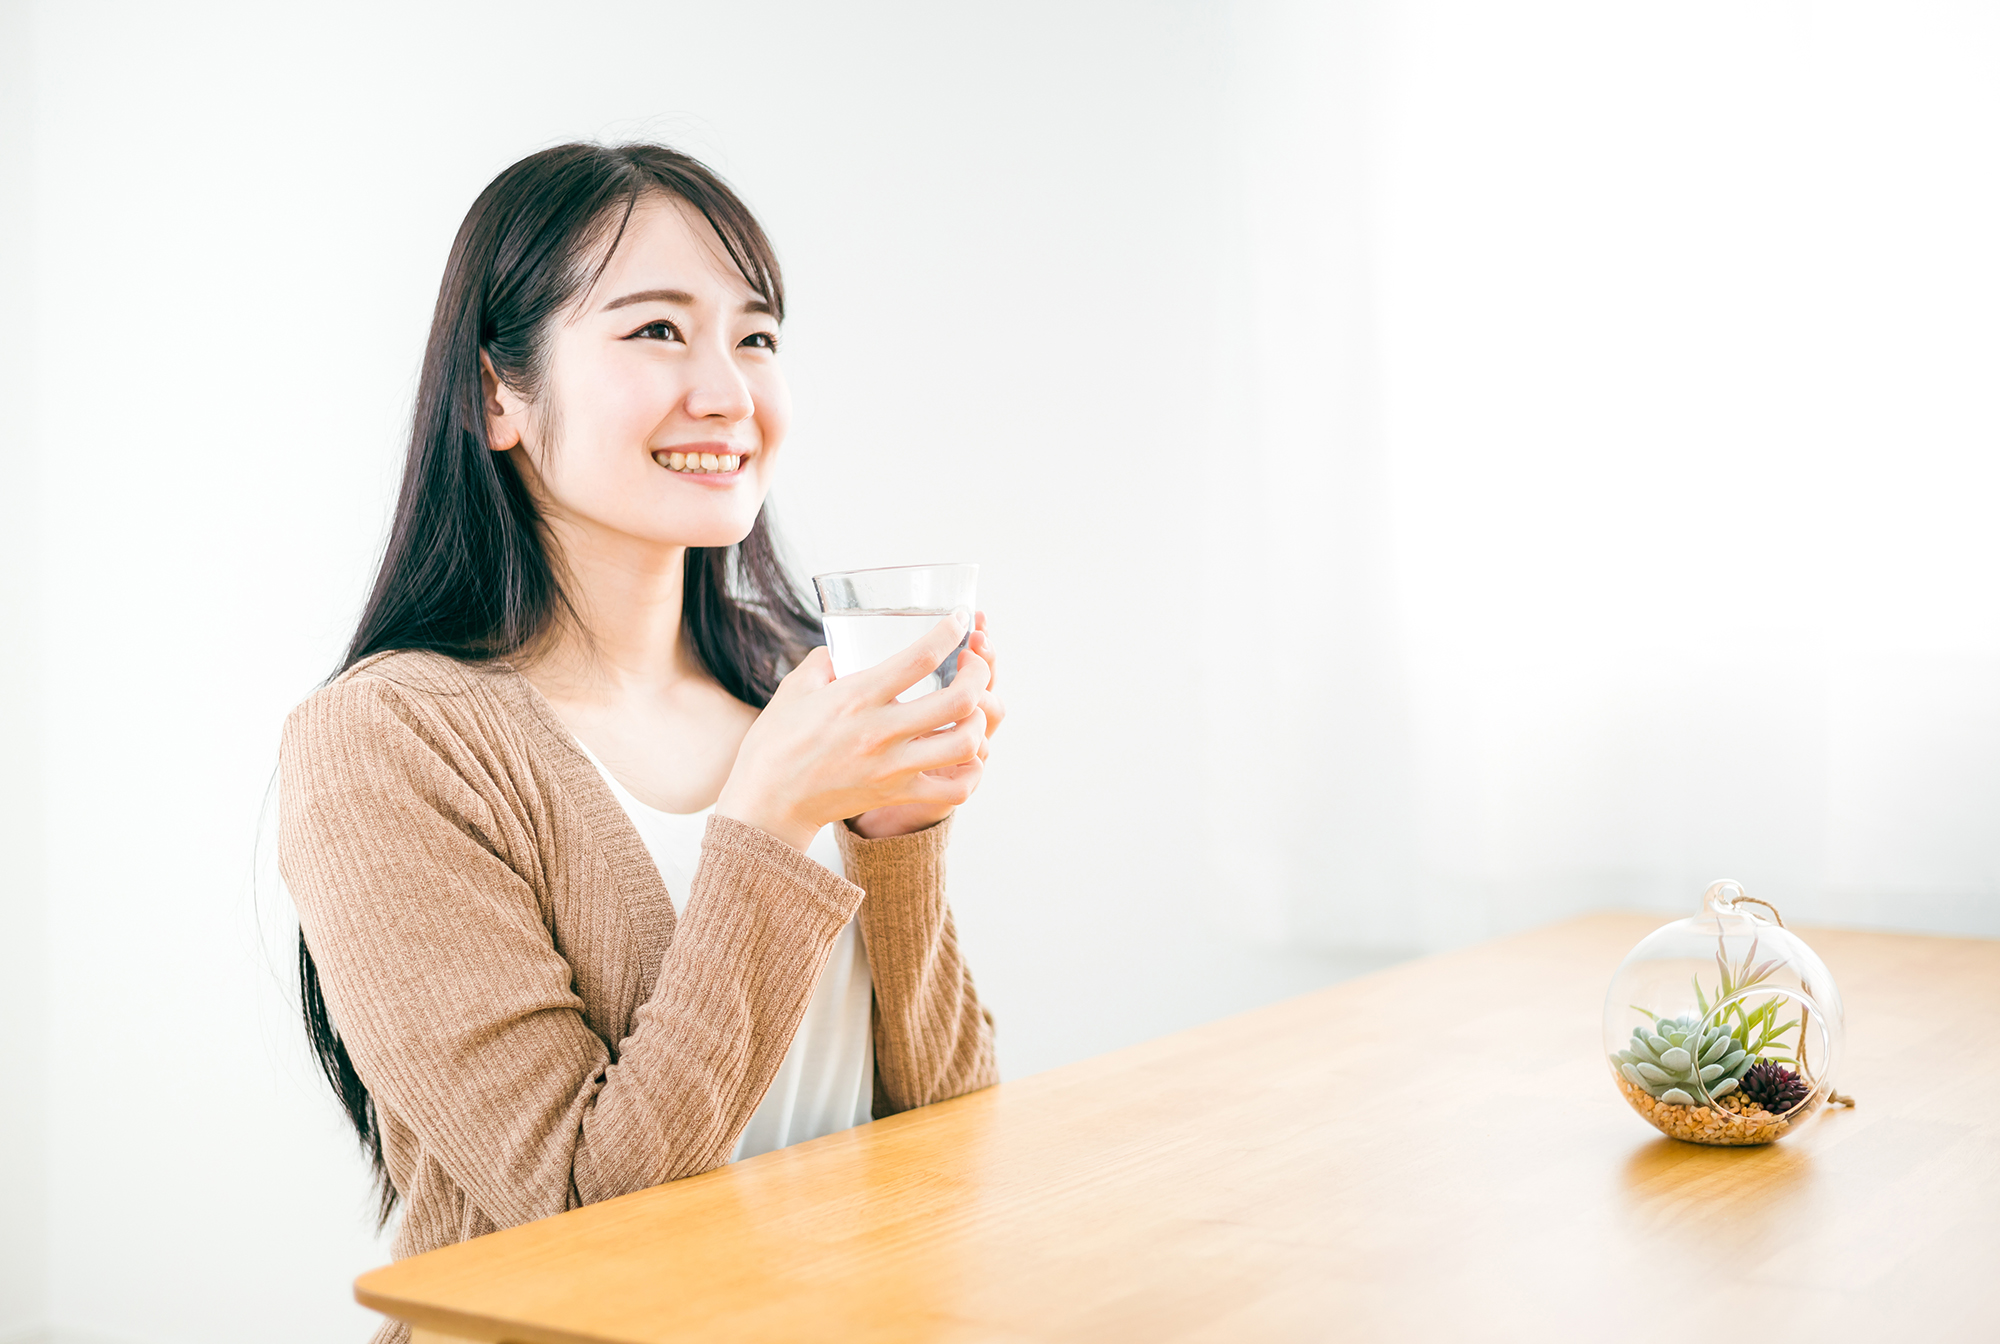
x=1676, y=1067
x=1755, y=1030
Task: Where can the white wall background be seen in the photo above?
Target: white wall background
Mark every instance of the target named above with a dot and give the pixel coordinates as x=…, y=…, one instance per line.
x=1436, y=467
x=1688, y=338
x=24, y=1069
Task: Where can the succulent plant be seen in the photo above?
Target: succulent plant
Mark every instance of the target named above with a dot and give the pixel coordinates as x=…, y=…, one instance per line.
x=1776, y=1088
x=1679, y=1064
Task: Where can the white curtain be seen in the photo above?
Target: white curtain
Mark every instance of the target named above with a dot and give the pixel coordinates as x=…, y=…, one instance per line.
x=1618, y=389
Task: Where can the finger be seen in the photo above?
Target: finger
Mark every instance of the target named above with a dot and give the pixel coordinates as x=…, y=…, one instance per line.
x=983, y=645
x=947, y=769
x=955, y=746
x=995, y=710
x=896, y=674
x=951, y=771
x=973, y=670
x=947, y=788
x=947, y=704
x=814, y=671
x=983, y=748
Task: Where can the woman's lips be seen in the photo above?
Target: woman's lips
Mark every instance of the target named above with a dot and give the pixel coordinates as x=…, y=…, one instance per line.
x=700, y=462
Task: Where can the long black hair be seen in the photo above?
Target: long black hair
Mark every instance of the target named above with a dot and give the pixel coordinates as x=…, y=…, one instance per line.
x=467, y=571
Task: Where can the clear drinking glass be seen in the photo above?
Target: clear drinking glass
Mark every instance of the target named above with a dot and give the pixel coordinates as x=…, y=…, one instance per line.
x=873, y=614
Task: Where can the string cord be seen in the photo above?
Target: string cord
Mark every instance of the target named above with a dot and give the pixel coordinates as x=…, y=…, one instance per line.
x=1833, y=1097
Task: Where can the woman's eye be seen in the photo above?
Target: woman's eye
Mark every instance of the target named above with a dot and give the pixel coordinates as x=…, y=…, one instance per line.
x=762, y=340
x=656, y=331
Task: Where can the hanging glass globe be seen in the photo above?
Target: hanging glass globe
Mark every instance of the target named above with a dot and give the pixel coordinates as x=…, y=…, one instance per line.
x=1724, y=1028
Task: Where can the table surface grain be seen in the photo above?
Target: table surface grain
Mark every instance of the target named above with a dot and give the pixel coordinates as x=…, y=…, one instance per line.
x=1432, y=1152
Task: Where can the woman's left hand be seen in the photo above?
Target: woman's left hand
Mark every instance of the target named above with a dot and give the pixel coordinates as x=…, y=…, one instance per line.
x=903, y=819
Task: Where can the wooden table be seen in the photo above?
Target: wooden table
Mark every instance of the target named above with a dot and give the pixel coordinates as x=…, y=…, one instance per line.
x=1432, y=1152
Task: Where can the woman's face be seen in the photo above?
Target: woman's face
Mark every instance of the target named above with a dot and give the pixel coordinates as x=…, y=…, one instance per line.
x=663, y=406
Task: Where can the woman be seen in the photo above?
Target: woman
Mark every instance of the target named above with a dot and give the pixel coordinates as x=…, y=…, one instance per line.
x=566, y=839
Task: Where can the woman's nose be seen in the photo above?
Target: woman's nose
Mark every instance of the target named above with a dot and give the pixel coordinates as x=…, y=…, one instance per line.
x=719, y=389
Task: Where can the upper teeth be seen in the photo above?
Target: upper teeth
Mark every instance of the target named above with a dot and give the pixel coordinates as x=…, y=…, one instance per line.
x=699, y=461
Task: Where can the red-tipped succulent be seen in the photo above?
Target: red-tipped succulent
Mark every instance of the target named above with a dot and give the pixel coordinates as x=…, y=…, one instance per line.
x=1776, y=1088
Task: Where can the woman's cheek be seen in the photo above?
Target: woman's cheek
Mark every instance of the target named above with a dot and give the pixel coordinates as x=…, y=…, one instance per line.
x=630, y=412
x=774, y=409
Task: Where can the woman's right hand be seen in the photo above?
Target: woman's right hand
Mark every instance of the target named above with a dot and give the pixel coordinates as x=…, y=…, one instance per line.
x=825, y=749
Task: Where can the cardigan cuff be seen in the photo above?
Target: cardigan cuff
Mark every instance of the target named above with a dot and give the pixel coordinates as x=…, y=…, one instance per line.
x=918, y=847
x=740, y=842
x=898, y=870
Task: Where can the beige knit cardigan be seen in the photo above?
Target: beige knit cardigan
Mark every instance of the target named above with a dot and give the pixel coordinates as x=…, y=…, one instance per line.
x=537, y=1028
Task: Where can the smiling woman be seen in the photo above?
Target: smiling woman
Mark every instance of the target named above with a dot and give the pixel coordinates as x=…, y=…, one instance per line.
x=707, y=344
x=603, y=880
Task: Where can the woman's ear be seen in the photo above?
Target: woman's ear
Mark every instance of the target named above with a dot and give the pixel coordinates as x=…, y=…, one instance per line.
x=506, y=413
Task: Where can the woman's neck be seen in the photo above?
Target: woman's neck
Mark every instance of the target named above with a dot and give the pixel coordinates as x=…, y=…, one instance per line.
x=624, y=639
x=622, y=679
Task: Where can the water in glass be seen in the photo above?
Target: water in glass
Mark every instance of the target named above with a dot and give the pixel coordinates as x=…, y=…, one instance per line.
x=859, y=638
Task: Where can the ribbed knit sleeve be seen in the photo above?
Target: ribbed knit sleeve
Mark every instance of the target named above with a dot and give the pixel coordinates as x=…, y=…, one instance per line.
x=933, y=1040
x=414, y=863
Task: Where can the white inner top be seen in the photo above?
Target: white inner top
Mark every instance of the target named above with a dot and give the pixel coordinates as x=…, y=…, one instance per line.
x=827, y=1080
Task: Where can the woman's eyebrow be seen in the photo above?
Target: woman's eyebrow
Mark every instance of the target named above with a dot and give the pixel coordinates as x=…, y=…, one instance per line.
x=679, y=296
x=676, y=296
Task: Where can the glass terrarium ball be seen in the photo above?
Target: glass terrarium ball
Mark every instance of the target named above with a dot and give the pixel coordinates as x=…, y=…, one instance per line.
x=1724, y=1028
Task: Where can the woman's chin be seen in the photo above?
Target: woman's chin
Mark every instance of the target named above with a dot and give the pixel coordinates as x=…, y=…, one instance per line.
x=656, y=526
x=705, y=532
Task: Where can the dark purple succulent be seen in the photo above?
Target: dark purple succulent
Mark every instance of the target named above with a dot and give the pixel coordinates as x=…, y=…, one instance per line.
x=1776, y=1088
